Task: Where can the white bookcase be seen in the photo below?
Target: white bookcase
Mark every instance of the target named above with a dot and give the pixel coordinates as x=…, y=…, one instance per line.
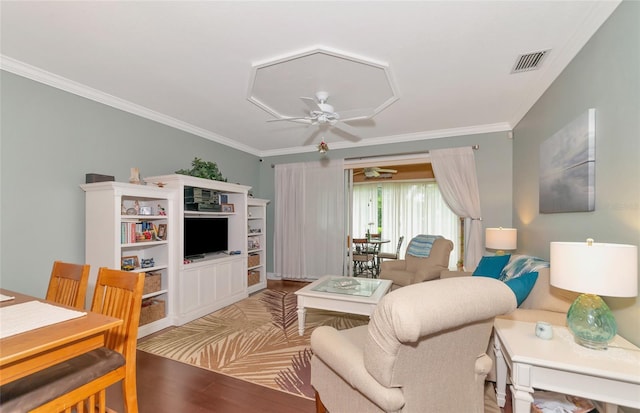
x=123, y=222
x=207, y=284
x=256, y=244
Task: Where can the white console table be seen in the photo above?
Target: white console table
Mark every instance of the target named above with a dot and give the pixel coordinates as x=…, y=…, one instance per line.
x=611, y=376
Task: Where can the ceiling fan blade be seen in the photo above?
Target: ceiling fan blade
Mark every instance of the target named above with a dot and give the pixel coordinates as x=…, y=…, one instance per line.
x=356, y=114
x=292, y=118
x=346, y=128
x=391, y=171
x=312, y=137
x=311, y=104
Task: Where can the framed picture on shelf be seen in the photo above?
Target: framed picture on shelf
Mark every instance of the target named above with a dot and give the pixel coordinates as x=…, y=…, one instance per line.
x=129, y=263
x=227, y=207
x=162, y=231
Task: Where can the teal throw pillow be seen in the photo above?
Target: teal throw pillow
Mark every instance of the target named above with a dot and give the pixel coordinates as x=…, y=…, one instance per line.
x=522, y=285
x=491, y=266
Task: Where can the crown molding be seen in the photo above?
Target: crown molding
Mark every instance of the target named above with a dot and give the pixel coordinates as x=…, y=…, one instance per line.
x=36, y=74
x=395, y=139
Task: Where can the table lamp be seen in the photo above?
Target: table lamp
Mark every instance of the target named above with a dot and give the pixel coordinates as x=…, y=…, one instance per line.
x=594, y=269
x=501, y=239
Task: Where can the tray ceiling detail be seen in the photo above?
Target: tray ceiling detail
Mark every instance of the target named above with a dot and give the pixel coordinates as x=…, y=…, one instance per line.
x=352, y=82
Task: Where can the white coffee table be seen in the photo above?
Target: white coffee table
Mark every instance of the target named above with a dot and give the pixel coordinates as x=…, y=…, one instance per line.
x=327, y=294
x=611, y=376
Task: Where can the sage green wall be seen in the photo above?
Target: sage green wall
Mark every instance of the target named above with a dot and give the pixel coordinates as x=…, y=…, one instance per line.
x=493, y=166
x=605, y=75
x=49, y=140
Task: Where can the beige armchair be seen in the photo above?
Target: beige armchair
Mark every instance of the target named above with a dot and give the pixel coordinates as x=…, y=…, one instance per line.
x=423, y=350
x=414, y=269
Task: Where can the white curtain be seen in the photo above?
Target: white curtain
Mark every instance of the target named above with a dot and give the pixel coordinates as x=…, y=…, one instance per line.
x=455, y=171
x=309, y=219
x=364, y=215
x=410, y=209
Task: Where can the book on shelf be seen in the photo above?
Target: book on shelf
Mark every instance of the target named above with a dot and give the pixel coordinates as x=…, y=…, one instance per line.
x=132, y=232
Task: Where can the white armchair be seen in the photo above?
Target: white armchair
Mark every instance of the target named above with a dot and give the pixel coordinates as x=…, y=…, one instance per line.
x=423, y=350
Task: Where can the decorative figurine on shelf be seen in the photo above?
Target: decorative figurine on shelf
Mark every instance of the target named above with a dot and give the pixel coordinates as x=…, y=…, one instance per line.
x=123, y=209
x=147, y=263
x=136, y=206
x=161, y=210
x=135, y=176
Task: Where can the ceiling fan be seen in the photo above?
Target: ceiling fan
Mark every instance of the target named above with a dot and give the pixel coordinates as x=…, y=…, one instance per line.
x=322, y=113
x=376, y=172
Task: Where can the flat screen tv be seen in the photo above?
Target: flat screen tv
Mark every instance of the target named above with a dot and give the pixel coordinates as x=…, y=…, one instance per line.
x=205, y=236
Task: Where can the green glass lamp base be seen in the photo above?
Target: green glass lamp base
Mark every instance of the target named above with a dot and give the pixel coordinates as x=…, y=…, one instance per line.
x=591, y=322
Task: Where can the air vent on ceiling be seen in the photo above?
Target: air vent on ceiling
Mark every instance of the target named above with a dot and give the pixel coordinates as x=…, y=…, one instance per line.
x=529, y=61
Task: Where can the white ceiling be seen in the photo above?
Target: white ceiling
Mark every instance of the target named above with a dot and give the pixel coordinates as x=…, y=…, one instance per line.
x=191, y=65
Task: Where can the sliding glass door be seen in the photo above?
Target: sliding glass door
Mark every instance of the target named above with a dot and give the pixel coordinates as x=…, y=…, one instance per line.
x=396, y=209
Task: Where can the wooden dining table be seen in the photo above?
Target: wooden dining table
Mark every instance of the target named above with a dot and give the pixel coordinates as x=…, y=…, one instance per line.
x=34, y=350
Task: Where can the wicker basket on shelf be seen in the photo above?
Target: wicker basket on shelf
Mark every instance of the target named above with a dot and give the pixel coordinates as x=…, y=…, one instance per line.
x=151, y=311
x=253, y=260
x=152, y=282
x=253, y=277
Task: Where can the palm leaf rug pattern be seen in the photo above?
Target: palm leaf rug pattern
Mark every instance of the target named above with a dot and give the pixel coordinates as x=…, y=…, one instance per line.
x=255, y=340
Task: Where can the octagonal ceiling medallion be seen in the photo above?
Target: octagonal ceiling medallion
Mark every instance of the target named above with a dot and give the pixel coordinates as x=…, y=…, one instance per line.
x=351, y=82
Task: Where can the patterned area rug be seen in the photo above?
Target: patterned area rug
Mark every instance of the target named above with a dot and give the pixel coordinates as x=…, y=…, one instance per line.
x=255, y=340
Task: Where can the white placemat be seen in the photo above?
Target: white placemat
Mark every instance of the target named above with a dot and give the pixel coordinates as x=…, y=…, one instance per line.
x=19, y=318
x=6, y=297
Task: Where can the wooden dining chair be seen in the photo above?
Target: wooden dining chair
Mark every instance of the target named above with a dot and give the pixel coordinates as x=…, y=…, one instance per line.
x=68, y=284
x=81, y=382
x=119, y=294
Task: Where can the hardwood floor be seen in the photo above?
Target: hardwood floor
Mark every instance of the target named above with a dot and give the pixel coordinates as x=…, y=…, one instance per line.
x=167, y=386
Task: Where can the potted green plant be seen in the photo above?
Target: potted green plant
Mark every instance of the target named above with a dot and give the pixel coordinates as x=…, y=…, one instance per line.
x=203, y=169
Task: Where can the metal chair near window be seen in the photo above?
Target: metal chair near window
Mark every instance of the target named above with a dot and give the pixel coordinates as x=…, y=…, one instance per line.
x=391, y=255
x=363, y=258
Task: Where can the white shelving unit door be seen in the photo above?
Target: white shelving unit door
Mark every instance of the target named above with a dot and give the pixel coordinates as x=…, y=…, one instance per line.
x=256, y=244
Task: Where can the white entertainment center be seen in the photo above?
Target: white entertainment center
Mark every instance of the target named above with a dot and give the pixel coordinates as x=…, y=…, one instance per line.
x=190, y=288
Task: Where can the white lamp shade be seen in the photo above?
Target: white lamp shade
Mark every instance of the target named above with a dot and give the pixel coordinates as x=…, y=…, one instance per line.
x=501, y=238
x=595, y=268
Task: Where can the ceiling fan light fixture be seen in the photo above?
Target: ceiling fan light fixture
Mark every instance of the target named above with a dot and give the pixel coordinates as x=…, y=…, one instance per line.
x=323, y=147
x=321, y=113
